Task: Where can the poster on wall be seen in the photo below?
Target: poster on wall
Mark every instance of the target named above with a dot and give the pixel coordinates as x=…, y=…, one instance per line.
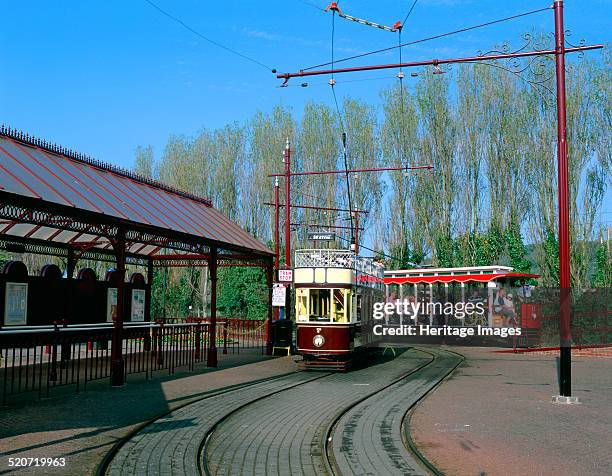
x=138, y=305
x=111, y=304
x=16, y=304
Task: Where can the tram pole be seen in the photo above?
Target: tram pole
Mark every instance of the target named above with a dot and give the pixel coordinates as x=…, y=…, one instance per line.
x=357, y=233
x=287, y=160
x=276, y=237
x=565, y=335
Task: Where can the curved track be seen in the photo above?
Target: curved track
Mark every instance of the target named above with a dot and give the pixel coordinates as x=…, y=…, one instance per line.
x=302, y=424
x=367, y=438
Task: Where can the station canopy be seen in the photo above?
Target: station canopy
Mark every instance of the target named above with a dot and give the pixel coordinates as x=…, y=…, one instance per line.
x=54, y=198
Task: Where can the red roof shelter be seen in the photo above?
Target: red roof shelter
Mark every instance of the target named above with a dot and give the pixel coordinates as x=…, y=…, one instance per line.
x=55, y=201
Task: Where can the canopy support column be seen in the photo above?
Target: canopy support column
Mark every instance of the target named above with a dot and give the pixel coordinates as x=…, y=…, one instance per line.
x=211, y=360
x=117, y=368
x=269, y=282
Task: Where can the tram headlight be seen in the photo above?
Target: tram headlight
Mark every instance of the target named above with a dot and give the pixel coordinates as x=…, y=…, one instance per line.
x=318, y=340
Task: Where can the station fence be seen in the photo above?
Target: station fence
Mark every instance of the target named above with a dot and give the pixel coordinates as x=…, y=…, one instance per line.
x=38, y=359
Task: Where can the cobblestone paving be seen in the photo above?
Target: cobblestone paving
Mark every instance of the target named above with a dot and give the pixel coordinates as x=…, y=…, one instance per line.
x=367, y=439
x=170, y=444
x=284, y=434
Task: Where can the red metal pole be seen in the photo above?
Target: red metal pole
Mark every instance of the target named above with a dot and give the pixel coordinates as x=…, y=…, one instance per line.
x=357, y=233
x=563, y=198
x=352, y=171
x=288, y=223
x=117, y=369
x=312, y=207
x=269, y=281
x=276, y=235
x=287, y=205
x=211, y=360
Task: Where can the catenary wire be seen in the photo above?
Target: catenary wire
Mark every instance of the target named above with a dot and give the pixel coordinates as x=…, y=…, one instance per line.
x=409, y=12
x=216, y=43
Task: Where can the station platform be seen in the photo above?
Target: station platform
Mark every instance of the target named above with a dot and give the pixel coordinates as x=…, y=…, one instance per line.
x=84, y=427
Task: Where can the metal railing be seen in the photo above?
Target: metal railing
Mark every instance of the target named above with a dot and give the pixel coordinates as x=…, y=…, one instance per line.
x=327, y=258
x=39, y=359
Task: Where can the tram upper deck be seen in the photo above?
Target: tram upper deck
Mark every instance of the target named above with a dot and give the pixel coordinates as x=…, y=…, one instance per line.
x=330, y=266
x=335, y=286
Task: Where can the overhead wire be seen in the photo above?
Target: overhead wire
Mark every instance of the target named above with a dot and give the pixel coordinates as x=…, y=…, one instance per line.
x=346, y=168
x=312, y=5
x=216, y=43
x=400, y=76
x=409, y=11
x=429, y=38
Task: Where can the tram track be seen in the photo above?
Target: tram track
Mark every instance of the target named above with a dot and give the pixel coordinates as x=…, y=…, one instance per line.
x=113, y=462
x=203, y=467
x=357, y=418
x=287, y=424
x=246, y=443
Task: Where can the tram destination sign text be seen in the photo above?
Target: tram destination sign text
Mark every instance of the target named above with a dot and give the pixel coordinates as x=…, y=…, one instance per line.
x=321, y=236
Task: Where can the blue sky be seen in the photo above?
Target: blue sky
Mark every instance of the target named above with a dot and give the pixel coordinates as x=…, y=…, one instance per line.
x=102, y=77
x=105, y=76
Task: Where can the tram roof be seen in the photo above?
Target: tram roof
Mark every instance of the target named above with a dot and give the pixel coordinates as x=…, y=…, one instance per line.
x=479, y=274
x=57, y=197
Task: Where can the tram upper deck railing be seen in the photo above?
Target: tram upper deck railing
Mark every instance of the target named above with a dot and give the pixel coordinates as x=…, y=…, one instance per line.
x=333, y=258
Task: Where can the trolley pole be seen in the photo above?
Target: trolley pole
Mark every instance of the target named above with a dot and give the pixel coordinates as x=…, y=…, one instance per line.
x=276, y=237
x=565, y=368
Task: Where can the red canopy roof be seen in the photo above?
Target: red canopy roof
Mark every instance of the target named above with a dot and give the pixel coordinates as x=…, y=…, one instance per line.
x=52, y=178
x=478, y=278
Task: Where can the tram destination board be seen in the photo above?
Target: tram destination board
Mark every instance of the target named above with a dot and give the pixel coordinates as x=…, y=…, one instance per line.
x=321, y=236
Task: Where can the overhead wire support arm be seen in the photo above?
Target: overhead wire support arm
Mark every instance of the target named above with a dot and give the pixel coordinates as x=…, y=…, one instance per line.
x=354, y=171
x=435, y=62
x=334, y=8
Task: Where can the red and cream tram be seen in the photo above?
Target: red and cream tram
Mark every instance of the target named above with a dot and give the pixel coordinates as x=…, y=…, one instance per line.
x=335, y=292
x=475, y=284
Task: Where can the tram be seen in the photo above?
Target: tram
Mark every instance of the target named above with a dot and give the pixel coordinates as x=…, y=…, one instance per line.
x=334, y=295
x=503, y=294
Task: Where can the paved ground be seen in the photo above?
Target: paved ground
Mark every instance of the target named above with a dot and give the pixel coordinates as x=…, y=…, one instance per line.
x=83, y=428
x=285, y=434
x=494, y=417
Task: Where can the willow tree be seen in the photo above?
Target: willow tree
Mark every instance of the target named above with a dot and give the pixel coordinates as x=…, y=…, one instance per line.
x=363, y=151
x=318, y=148
x=267, y=135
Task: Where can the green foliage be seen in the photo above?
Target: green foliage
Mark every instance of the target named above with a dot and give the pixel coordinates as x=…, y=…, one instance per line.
x=242, y=292
x=516, y=249
x=551, y=259
x=445, y=251
x=175, y=293
x=602, y=278
x=493, y=245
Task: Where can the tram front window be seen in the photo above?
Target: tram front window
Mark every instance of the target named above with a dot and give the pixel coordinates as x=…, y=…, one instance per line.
x=319, y=305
